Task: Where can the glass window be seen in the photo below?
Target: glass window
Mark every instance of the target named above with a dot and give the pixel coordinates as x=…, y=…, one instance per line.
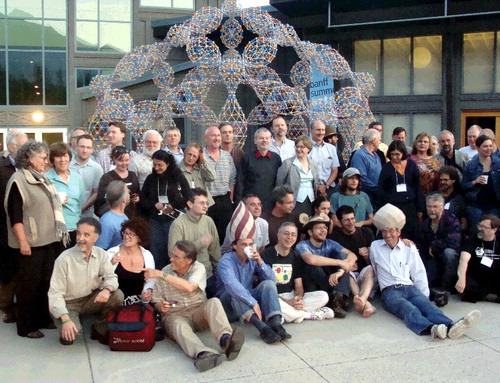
x=3, y=83
x=115, y=37
x=86, y=9
x=25, y=34
x=84, y=76
x=55, y=78
x=427, y=59
x=104, y=25
x=24, y=8
x=428, y=122
x=50, y=138
x=396, y=75
x=86, y=36
x=25, y=78
x=54, y=9
x=497, y=70
x=367, y=59
x=116, y=10
x=55, y=34
x=478, y=62
x=189, y=4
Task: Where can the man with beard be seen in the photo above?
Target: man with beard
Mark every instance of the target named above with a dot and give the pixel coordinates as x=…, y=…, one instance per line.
x=449, y=188
x=448, y=156
x=357, y=240
x=257, y=172
x=438, y=241
x=479, y=267
x=83, y=282
x=350, y=194
x=281, y=145
x=142, y=164
x=328, y=264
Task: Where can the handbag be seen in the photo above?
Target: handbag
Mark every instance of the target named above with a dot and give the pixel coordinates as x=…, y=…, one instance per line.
x=131, y=328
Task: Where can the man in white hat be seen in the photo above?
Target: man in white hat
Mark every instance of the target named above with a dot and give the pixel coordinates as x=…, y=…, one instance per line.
x=402, y=278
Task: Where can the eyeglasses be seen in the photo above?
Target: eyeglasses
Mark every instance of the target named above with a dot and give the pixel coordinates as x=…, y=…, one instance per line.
x=289, y=234
x=176, y=257
x=482, y=227
x=120, y=150
x=129, y=234
x=255, y=204
x=389, y=231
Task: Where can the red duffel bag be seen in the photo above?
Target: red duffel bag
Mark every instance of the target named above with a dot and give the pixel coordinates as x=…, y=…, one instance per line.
x=131, y=328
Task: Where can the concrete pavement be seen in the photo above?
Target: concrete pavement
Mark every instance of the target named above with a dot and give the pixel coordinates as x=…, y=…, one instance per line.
x=355, y=349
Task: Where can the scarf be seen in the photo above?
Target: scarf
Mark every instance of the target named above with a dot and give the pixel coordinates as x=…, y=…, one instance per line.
x=49, y=189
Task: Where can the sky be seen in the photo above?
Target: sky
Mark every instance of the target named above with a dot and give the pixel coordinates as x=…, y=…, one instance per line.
x=253, y=3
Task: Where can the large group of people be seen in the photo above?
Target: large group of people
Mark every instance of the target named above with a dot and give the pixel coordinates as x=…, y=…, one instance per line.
x=282, y=233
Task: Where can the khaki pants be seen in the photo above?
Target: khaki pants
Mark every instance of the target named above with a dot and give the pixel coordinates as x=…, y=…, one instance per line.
x=86, y=305
x=181, y=326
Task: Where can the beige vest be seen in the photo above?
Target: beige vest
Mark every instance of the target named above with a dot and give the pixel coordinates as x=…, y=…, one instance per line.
x=38, y=215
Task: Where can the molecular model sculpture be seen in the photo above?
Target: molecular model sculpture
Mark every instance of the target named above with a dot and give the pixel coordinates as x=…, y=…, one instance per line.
x=347, y=109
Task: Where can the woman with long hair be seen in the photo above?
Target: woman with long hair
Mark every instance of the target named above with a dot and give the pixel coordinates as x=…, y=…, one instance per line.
x=163, y=197
x=428, y=165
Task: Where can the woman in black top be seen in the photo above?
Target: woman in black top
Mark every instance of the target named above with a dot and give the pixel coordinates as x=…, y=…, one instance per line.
x=399, y=185
x=163, y=195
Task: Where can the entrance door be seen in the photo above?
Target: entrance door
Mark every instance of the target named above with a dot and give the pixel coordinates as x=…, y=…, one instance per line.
x=486, y=119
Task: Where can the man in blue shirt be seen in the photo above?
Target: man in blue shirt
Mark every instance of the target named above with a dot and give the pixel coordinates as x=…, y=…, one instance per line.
x=328, y=264
x=118, y=197
x=367, y=161
x=260, y=305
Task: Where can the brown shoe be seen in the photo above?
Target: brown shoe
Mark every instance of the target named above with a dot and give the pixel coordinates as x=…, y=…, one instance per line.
x=9, y=317
x=65, y=342
x=336, y=303
x=234, y=344
x=35, y=334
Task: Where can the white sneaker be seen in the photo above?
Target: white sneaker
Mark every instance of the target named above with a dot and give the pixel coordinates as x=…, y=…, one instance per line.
x=439, y=331
x=317, y=315
x=462, y=325
x=329, y=314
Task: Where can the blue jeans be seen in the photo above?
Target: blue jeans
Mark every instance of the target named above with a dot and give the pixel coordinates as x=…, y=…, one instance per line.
x=442, y=268
x=414, y=308
x=266, y=295
x=159, y=242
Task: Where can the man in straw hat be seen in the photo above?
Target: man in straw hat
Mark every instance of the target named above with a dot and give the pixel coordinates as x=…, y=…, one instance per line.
x=403, y=281
x=327, y=263
x=236, y=274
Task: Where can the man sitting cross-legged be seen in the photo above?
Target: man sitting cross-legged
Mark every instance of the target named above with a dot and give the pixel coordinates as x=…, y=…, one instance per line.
x=179, y=295
x=287, y=265
x=358, y=240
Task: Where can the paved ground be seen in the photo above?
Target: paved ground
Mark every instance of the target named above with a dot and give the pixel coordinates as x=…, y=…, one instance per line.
x=355, y=349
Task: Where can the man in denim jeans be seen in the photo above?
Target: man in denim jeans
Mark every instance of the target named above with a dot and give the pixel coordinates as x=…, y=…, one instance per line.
x=237, y=272
x=403, y=281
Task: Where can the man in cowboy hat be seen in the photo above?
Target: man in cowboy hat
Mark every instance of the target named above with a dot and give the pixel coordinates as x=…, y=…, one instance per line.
x=236, y=274
x=403, y=281
x=327, y=263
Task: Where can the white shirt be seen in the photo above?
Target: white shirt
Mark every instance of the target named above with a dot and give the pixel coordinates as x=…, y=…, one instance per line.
x=325, y=156
x=286, y=150
x=401, y=265
x=469, y=151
